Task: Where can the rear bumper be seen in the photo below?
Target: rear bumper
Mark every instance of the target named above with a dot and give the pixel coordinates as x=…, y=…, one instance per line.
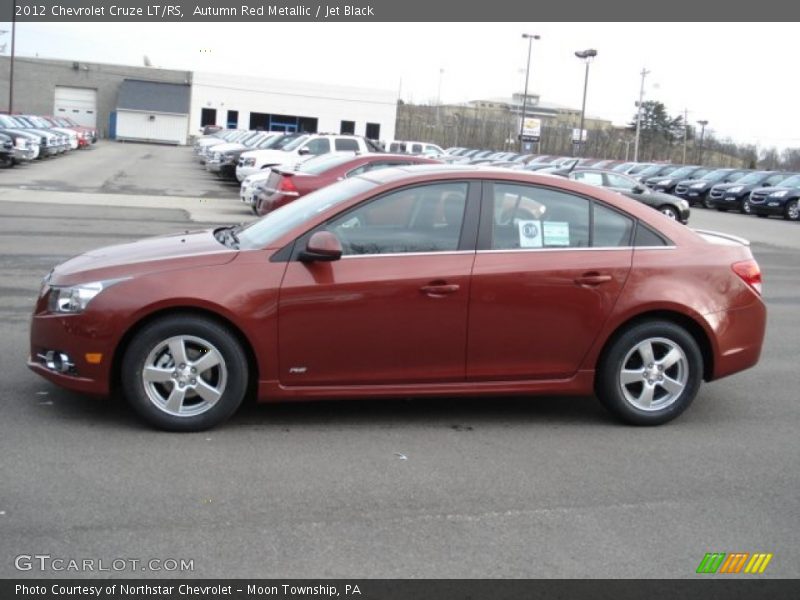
x=739, y=336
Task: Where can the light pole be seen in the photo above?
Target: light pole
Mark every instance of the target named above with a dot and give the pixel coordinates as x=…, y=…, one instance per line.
x=11, y=62
x=685, y=131
x=530, y=37
x=644, y=74
x=586, y=56
x=439, y=96
x=702, y=124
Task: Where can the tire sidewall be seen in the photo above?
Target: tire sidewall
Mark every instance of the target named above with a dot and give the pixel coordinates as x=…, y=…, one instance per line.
x=609, y=390
x=156, y=332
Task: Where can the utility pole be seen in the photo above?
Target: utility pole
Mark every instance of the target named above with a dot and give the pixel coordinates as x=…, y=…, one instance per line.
x=644, y=74
x=439, y=96
x=702, y=124
x=11, y=63
x=685, y=131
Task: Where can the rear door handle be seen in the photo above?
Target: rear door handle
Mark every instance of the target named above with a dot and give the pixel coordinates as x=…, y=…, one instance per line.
x=437, y=290
x=592, y=279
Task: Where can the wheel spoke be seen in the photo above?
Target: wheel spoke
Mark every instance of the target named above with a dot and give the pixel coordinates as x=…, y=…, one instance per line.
x=673, y=356
x=208, y=361
x=629, y=376
x=673, y=386
x=157, y=375
x=207, y=393
x=646, y=397
x=175, y=400
x=646, y=352
x=177, y=348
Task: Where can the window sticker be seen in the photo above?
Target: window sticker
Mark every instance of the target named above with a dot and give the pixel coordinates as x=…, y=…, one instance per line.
x=556, y=233
x=530, y=234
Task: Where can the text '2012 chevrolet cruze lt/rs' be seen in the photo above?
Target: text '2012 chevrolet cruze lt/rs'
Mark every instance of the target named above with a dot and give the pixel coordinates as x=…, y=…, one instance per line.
x=416, y=281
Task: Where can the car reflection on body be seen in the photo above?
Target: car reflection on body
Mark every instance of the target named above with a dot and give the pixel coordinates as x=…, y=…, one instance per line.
x=428, y=280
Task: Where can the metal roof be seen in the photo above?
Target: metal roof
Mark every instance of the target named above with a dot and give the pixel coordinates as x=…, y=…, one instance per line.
x=153, y=96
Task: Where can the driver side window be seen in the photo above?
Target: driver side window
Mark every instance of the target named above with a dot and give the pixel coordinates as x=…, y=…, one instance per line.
x=426, y=218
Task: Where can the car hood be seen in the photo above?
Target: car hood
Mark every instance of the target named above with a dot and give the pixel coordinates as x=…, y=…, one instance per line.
x=149, y=255
x=770, y=190
x=227, y=146
x=271, y=156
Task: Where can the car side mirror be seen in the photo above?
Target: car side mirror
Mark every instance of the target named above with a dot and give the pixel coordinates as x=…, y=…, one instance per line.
x=303, y=151
x=322, y=246
x=638, y=189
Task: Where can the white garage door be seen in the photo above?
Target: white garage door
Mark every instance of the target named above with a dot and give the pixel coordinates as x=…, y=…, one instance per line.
x=152, y=127
x=79, y=104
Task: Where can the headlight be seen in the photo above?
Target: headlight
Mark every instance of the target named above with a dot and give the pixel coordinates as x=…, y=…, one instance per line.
x=664, y=182
x=697, y=186
x=780, y=194
x=249, y=162
x=74, y=299
x=21, y=142
x=736, y=189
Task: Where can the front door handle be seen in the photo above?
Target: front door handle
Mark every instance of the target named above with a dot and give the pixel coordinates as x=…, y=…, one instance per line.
x=439, y=290
x=593, y=278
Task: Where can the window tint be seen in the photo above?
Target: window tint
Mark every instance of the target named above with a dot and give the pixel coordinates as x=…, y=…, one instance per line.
x=346, y=144
x=425, y=218
x=319, y=146
x=610, y=228
x=416, y=148
x=589, y=177
x=533, y=217
x=647, y=237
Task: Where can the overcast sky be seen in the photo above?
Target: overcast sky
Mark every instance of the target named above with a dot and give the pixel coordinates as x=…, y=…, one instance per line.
x=738, y=76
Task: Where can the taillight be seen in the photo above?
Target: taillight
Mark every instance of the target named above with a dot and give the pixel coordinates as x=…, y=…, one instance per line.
x=749, y=272
x=286, y=185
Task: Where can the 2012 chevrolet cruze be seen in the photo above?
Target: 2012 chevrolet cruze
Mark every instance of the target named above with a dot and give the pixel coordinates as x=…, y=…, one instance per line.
x=417, y=281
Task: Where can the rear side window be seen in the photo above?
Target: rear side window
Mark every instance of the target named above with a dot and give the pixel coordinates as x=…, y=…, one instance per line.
x=346, y=144
x=647, y=237
x=610, y=228
x=319, y=146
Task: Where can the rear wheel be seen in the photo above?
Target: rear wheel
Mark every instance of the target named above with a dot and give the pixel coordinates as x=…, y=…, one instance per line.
x=792, y=211
x=184, y=373
x=650, y=373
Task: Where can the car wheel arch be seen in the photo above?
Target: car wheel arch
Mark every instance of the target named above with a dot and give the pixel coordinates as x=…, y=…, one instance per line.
x=193, y=311
x=691, y=325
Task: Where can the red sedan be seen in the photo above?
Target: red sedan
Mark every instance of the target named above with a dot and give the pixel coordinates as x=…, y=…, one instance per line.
x=286, y=185
x=417, y=281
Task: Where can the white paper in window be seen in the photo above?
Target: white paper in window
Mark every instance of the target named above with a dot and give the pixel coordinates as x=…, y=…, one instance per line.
x=556, y=233
x=530, y=234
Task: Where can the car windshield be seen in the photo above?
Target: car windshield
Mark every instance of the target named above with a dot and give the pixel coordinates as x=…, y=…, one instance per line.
x=263, y=232
x=757, y=177
x=295, y=143
x=683, y=172
x=325, y=162
x=793, y=181
x=715, y=175
x=622, y=167
x=653, y=170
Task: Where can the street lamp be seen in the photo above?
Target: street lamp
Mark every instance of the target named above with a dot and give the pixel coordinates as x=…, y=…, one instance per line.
x=644, y=74
x=586, y=56
x=702, y=124
x=530, y=37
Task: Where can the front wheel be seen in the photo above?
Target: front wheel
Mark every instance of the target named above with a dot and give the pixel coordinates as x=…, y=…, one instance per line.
x=184, y=373
x=650, y=373
x=670, y=211
x=746, y=208
x=707, y=202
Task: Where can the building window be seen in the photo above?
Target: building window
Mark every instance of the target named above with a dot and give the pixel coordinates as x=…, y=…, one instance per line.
x=373, y=131
x=347, y=127
x=233, y=119
x=208, y=116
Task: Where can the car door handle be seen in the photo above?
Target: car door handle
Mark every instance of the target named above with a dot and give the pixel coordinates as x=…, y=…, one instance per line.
x=592, y=279
x=438, y=290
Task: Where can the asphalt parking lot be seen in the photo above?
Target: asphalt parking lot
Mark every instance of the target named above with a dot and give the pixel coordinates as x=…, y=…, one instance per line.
x=512, y=488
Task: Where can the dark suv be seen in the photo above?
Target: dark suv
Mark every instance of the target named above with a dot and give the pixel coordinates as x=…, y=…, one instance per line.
x=781, y=200
x=667, y=184
x=733, y=196
x=696, y=188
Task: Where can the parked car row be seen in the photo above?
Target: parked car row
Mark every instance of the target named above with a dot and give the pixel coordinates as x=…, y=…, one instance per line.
x=24, y=138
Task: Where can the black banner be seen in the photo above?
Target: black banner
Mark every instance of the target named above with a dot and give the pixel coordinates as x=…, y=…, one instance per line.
x=366, y=589
x=386, y=11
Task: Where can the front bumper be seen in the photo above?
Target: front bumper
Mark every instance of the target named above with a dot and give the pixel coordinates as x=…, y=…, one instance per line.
x=243, y=172
x=768, y=207
x=727, y=201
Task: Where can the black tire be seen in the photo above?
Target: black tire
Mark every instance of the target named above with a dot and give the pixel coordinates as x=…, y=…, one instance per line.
x=707, y=202
x=669, y=211
x=744, y=207
x=223, y=384
x=621, y=399
x=792, y=211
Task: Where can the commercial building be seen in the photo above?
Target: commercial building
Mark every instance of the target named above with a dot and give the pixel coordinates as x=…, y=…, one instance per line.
x=139, y=103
